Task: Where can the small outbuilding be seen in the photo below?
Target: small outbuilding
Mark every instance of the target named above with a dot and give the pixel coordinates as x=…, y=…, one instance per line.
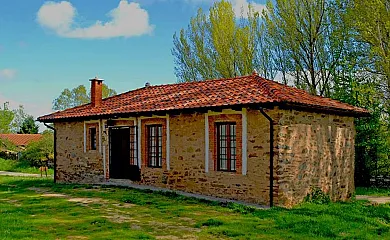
x=20, y=140
x=243, y=138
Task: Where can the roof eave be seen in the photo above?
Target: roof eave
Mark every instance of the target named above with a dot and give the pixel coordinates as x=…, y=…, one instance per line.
x=323, y=109
x=269, y=105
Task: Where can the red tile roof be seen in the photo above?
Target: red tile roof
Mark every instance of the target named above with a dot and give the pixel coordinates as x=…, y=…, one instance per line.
x=21, y=139
x=246, y=90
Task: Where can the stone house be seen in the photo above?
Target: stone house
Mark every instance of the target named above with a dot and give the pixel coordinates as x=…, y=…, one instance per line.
x=244, y=138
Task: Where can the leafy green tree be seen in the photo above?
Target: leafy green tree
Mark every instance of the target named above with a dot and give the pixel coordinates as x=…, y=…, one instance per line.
x=29, y=126
x=370, y=140
x=78, y=96
x=358, y=82
x=6, y=117
x=304, y=44
x=333, y=48
x=370, y=22
x=40, y=151
x=220, y=45
x=19, y=117
x=107, y=92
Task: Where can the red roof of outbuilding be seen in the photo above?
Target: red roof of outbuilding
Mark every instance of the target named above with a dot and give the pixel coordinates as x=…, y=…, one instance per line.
x=21, y=139
x=246, y=90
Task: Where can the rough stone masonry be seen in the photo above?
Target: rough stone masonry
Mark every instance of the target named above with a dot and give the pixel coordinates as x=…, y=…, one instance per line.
x=310, y=149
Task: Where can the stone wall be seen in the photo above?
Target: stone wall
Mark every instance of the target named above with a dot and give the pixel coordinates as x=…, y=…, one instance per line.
x=187, y=160
x=314, y=149
x=310, y=149
x=73, y=164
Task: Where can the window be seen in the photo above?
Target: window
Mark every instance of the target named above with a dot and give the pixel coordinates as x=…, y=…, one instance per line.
x=226, y=147
x=133, y=146
x=92, y=138
x=154, y=138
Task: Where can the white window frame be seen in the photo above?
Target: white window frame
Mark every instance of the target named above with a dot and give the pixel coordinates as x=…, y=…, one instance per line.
x=244, y=134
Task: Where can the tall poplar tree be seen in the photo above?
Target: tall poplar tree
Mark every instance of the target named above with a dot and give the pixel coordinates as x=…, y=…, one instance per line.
x=304, y=42
x=220, y=45
x=370, y=21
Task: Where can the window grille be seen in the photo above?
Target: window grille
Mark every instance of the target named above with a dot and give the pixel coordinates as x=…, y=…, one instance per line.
x=154, y=138
x=226, y=146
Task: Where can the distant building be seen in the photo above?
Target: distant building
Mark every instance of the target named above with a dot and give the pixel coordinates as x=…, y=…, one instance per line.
x=21, y=140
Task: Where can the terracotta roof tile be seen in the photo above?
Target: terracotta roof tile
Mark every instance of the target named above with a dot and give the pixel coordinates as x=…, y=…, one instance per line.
x=21, y=139
x=246, y=90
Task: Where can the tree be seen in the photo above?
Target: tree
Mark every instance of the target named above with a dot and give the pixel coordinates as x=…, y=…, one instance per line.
x=374, y=32
x=371, y=141
x=304, y=42
x=19, y=117
x=40, y=151
x=29, y=126
x=78, y=96
x=220, y=45
x=333, y=48
x=6, y=117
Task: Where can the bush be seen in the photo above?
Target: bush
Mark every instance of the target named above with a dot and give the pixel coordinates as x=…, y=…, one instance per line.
x=317, y=196
x=40, y=152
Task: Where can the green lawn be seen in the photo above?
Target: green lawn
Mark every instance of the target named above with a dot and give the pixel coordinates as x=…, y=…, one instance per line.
x=38, y=209
x=19, y=166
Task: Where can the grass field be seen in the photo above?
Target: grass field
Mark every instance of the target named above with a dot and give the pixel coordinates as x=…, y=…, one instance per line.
x=38, y=209
x=19, y=166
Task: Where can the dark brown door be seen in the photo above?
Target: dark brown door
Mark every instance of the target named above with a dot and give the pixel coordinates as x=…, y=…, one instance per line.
x=120, y=153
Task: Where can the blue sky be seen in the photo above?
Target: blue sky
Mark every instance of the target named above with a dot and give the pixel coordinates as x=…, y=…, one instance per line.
x=46, y=46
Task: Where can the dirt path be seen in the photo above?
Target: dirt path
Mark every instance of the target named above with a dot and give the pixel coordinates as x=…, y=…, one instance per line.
x=19, y=174
x=119, y=212
x=374, y=199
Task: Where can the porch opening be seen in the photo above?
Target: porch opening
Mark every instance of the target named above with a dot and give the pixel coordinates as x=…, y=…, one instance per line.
x=123, y=153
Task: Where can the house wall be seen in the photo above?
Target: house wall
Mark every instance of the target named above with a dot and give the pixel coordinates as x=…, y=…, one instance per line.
x=314, y=149
x=73, y=164
x=187, y=154
x=310, y=150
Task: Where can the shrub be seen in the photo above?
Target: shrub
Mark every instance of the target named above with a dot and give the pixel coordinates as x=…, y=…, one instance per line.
x=40, y=152
x=317, y=196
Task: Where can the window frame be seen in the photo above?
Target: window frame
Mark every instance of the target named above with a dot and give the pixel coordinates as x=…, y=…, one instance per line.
x=92, y=138
x=133, y=145
x=231, y=159
x=154, y=145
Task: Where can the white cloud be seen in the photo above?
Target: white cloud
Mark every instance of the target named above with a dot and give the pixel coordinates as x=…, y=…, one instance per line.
x=127, y=20
x=7, y=73
x=240, y=7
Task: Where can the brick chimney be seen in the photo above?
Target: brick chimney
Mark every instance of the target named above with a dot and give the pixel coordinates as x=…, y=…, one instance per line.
x=96, y=91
